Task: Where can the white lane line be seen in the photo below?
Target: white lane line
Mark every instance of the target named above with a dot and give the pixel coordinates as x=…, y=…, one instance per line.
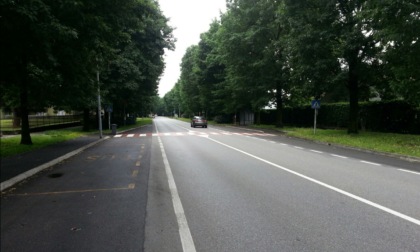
x=118, y=136
x=284, y=144
x=366, y=162
x=184, y=230
x=272, y=142
x=338, y=156
x=142, y=135
x=417, y=173
x=317, y=151
x=353, y=196
x=130, y=135
x=297, y=147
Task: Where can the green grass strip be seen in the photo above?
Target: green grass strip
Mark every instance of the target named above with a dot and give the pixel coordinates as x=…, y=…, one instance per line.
x=400, y=144
x=10, y=146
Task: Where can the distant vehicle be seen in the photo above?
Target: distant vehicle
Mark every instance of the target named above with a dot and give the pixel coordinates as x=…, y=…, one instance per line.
x=199, y=121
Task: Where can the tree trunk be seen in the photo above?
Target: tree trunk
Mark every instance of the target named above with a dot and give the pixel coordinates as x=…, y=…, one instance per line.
x=279, y=110
x=16, y=118
x=25, y=131
x=86, y=119
x=353, y=86
x=259, y=117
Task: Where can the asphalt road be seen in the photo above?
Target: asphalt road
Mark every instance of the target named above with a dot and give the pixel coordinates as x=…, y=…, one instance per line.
x=170, y=187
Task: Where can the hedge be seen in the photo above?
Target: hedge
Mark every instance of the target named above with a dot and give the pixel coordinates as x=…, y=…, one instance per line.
x=384, y=116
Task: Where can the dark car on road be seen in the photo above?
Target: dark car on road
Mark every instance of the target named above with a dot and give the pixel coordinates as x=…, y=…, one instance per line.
x=199, y=121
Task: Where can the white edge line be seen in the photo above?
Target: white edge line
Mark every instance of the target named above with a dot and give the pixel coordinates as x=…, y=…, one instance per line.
x=184, y=230
x=353, y=196
x=417, y=173
x=9, y=183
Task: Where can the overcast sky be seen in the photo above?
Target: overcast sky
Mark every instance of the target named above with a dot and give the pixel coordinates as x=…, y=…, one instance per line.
x=190, y=18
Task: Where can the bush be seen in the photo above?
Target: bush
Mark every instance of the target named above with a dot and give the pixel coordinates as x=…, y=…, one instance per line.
x=384, y=116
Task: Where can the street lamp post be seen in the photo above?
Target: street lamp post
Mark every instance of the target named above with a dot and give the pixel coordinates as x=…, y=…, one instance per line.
x=99, y=101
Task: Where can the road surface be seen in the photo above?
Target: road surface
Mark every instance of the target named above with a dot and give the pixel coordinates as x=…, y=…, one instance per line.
x=170, y=187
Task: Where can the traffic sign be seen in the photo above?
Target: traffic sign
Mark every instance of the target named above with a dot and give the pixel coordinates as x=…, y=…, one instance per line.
x=316, y=104
x=108, y=108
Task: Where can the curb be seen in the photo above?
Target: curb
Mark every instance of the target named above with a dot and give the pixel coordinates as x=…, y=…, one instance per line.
x=11, y=182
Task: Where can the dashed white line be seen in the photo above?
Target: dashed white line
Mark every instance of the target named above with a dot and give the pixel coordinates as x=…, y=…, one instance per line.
x=130, y=135
x=333, y=188
x=371, y=163
x=317, y=151
x=334, y=155
x=417, y=173
x=297, y=147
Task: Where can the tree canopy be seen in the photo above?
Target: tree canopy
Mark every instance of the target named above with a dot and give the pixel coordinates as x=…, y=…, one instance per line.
x=286, y=52
x=51, y=51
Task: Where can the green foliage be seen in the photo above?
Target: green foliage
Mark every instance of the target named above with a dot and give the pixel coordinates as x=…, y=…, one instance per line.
x=52, y=49
x=289, y=51
x=389, y=116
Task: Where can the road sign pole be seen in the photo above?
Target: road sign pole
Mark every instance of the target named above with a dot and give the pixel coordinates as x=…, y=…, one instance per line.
x=316, y=113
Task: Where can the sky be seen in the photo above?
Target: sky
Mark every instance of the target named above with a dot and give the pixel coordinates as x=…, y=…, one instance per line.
x=190, y=18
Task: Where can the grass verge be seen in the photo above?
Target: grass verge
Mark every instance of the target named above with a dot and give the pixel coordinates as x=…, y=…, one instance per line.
x=10, y=146
x=401, y=144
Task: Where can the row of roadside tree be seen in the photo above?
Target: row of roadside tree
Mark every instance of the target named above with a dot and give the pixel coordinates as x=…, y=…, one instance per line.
x=54, y=51
x=284, y=53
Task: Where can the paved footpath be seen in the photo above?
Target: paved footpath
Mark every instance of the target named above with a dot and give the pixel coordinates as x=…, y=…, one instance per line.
x=16, y=168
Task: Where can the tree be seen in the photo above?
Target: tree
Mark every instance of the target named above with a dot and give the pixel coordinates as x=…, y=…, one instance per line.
x=395, y=25
x=29, y=30
x=57, y=46
x=334, y=32
x=189, y=80
x=255, y=54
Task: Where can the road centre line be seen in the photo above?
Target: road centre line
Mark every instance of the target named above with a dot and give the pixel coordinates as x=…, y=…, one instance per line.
x=183, y=228
x=417, y=173
x=350, y=195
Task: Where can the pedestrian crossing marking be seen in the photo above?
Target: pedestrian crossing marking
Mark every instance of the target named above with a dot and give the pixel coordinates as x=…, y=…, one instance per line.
x=191, y=133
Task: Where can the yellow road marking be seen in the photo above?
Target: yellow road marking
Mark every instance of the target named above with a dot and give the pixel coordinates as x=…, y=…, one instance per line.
x=130, y=186
x=93, y=157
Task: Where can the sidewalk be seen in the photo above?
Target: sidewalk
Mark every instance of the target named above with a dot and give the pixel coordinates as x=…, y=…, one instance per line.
x=17, y=168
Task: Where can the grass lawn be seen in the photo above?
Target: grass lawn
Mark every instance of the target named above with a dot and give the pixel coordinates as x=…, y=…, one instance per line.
x=408, y=145
x=10, y=146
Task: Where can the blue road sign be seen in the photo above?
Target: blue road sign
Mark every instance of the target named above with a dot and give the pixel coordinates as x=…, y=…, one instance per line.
x=316, y=104
x=108, y=108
